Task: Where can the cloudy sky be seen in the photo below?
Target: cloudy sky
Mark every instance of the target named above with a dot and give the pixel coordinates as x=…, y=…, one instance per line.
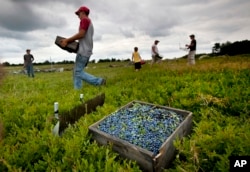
x=120, y=25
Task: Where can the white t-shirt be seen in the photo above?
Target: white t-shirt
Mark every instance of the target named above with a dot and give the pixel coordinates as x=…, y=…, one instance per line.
x=156, y=49
x=86, y=43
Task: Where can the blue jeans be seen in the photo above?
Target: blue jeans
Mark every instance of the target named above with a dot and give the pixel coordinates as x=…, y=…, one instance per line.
x=79, y=75
x=29, y=68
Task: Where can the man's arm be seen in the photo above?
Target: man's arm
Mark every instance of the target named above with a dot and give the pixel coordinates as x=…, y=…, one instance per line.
x=191, y=45
x=32, y=58
x=24, y=61
x=77, y=36
x=140, y=57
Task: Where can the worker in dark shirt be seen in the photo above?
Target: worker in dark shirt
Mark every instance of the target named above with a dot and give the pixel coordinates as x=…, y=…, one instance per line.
x=28, y=59
x=192, y=50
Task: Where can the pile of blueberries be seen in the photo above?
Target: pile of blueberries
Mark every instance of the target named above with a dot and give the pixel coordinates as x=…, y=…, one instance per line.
x=143, y=125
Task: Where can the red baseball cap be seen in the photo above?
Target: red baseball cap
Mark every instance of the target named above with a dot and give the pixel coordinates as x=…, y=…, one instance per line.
x=82, y=9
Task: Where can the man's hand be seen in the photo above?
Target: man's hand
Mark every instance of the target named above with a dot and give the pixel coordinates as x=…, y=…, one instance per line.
x=64, y=42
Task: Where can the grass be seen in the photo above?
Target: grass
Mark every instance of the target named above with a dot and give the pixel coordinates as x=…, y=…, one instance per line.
x=216, y=90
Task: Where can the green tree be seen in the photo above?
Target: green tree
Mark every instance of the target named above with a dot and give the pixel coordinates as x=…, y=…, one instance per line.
x=216, y=48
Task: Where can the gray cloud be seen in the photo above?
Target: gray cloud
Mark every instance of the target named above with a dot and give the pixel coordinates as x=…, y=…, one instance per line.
x=120, y=24
x=26, y=16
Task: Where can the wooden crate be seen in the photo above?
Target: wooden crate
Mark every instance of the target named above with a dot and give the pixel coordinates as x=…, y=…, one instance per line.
x=72, y=47
x=146, y=159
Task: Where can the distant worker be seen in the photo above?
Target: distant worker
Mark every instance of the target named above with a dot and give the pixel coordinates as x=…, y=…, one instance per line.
x=156, y=58
x=28, y=63
x=1, y=73
x=192, y=50
x=1, y=123
x=136, y=58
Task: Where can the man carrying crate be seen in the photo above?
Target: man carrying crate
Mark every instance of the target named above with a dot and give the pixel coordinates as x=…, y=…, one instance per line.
x=85, y=37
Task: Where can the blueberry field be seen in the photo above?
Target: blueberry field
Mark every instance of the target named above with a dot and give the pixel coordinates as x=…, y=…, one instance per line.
x=216, y=90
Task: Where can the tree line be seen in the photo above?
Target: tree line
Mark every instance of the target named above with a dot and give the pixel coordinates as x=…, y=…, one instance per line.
x=47, y=62
x=235, y=48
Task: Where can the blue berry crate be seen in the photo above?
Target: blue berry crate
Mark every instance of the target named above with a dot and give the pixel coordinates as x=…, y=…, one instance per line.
x=143, y=132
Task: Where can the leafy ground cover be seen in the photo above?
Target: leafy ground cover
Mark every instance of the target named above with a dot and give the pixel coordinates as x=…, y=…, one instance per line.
x=216, y=90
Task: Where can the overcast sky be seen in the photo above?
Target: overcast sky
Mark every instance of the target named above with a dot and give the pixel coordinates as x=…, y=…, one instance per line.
x=120, y=25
